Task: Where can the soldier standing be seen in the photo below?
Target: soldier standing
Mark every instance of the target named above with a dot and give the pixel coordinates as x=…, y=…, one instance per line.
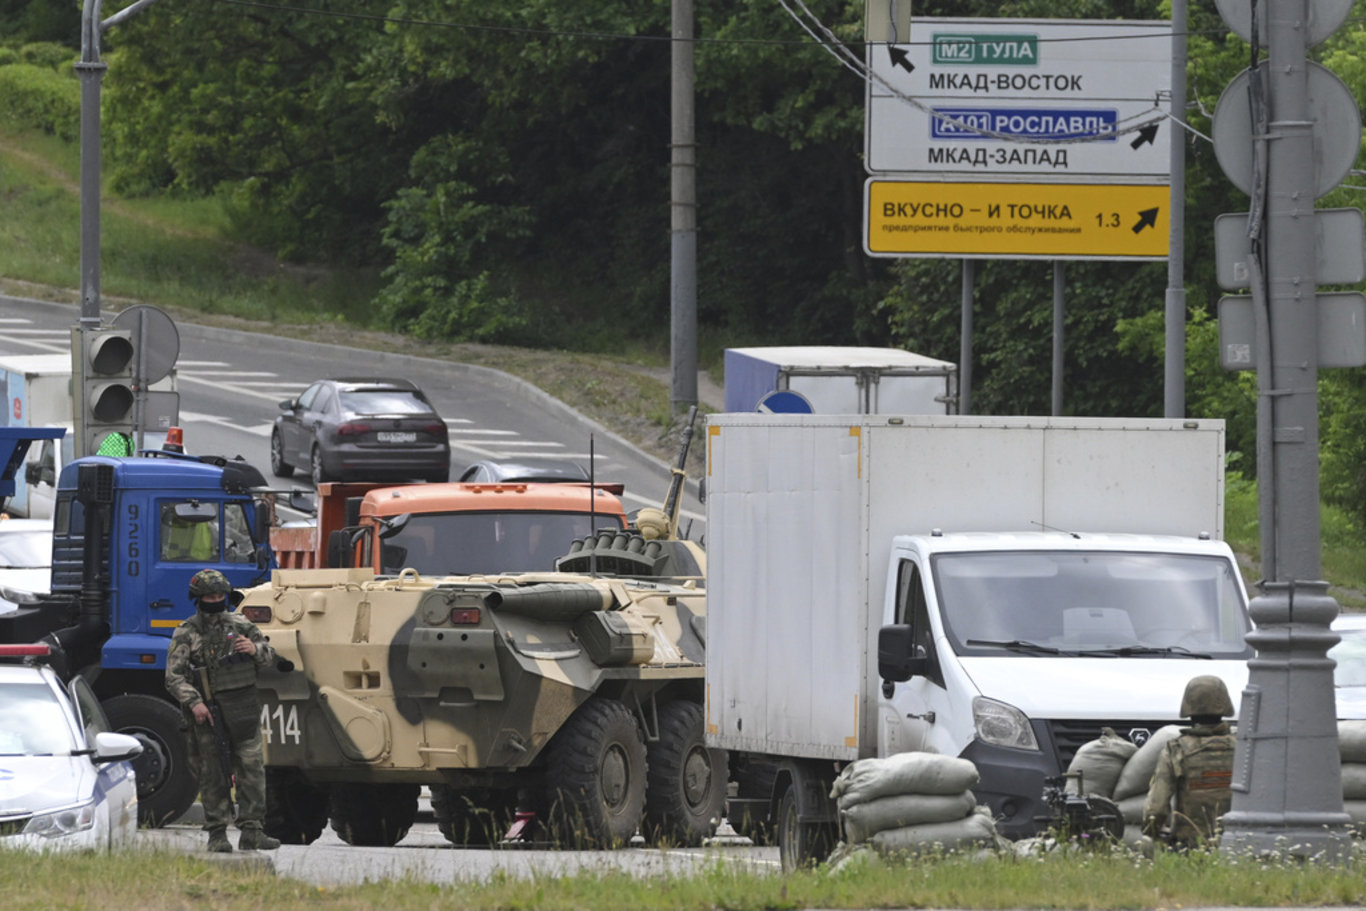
x=213, y=657
x=1191, y=784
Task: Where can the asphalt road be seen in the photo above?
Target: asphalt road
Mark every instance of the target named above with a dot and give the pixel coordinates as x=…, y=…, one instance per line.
x=230, y=385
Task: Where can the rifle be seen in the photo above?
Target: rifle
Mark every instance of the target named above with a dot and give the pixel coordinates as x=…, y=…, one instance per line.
x=220, y=736
x=673, y=500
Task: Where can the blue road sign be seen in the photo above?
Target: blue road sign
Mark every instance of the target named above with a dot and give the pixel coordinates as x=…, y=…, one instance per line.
x=784, y=402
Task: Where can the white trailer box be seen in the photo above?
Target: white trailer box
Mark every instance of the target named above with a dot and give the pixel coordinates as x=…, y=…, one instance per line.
x=823, y=530
x=37, y=393
x=842, y=380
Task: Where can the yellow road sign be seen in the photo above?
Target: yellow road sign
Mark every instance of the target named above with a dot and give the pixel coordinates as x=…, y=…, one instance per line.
x=1016, y=220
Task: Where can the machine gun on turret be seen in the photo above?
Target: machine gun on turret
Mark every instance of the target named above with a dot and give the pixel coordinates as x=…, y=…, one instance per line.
x=650, y=546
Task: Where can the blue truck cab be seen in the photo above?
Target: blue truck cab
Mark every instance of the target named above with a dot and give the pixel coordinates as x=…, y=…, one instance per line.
x=128, y=534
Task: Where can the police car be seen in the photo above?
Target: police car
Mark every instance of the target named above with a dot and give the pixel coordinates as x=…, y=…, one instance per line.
x=65, y=778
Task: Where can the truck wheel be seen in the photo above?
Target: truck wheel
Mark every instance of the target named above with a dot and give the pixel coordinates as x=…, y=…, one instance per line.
x=373, y=815
x=685, y=789
x=800, y=844
x=166, y=786
x=477, y=817
x=595, y=767
x=296, y=809
x=278, y=466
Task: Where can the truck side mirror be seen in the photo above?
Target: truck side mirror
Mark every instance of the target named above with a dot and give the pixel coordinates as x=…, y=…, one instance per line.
x=898, y=657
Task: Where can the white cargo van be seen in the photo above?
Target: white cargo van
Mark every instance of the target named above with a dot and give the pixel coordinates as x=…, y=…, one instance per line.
x=996, y=588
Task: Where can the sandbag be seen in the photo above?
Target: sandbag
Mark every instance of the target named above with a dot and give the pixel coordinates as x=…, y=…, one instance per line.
x=1354, y=781
x=1138, y=771
x=1352, y=741
x=866, y=819
x=972, y=831
x=1100, y=763
x=905, y=773
x=1131, y=808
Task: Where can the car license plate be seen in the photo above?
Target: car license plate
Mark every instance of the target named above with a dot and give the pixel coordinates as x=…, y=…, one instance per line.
x=396, y=436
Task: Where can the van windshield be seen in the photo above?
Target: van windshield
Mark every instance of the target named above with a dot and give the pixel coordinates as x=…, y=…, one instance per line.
x=1102, y=603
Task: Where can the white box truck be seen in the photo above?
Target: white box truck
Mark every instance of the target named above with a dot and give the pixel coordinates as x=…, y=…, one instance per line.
x=995, y=588
x=835, y=379
x=37, y=393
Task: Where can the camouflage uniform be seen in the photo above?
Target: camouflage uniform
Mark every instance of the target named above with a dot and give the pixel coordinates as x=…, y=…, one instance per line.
x=203, y=641
x=1196, y=769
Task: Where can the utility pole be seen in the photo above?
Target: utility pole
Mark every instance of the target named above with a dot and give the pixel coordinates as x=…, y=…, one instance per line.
x=1287, y=784
x=1174, y=317
x=683, y=213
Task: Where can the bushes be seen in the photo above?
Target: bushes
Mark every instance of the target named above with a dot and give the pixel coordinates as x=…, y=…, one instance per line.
x=38, y=98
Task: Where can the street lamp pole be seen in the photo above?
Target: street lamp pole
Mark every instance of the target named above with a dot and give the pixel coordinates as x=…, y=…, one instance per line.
x=90, y=70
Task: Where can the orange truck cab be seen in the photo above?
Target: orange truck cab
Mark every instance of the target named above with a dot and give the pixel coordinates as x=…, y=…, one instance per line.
x=448, y=529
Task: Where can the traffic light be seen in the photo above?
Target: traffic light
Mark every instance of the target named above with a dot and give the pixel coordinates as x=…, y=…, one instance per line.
x=102, y=375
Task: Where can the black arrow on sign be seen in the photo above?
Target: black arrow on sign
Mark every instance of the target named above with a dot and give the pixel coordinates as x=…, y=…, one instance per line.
x=900, y=58
x=1146, y=219
x=1147, y=134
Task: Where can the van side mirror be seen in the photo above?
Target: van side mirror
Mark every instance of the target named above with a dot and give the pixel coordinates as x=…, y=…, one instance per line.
x=898, y=657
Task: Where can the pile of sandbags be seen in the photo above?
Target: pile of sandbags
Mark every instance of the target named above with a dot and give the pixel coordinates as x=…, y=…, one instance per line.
x=1352, y=749
x=912, y=803
x=1113, y=767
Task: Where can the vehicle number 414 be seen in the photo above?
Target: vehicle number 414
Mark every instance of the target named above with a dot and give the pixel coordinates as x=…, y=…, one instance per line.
x=282, y=721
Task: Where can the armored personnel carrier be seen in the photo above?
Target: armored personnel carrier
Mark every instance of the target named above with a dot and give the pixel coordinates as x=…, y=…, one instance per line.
x=573, y=697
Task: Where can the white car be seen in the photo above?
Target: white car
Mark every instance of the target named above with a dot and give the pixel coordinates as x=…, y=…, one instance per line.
x=25, y=561
x=65, y=778
x=1349, y=677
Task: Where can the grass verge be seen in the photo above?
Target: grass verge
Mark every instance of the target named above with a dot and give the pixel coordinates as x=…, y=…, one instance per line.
x=158, y=881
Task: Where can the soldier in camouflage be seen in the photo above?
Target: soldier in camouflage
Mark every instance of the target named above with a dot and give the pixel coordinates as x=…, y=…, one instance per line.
x=224, y=650
x=1190, y=788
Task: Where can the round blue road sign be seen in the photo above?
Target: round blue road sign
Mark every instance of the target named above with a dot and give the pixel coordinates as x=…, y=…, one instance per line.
x=784, y=402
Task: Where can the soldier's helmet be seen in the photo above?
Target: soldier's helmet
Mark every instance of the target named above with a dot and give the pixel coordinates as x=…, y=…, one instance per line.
x=208, y=582
x=1206, y=695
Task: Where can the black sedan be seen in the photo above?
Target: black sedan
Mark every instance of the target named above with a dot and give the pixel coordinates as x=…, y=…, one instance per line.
x=361, y=429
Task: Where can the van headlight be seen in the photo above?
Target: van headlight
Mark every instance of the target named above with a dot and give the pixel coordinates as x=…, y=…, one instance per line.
x=60, y=823
x=1002, y=725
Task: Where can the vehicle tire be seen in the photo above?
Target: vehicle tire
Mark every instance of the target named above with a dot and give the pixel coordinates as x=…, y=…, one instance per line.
x=373, y=815
x=439, y=477
x=474, y=817
x=595, y=770
x=754, y=781
x=166, y=785
x=278, y=466
x=685, y=787
x=316, y=466
x=801, y=845
x=296, y=809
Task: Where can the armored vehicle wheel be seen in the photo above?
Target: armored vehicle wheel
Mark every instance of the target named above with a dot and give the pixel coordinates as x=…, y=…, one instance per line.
x=801, y=844
x=474, y=816
x=595, y=771
x=373, y=815
x=278, y=466
x=166, y=785
x=685, y=788
x=296, y=809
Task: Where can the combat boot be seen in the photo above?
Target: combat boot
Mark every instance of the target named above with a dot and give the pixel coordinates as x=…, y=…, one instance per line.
x=218, y=842
x=257, y=840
